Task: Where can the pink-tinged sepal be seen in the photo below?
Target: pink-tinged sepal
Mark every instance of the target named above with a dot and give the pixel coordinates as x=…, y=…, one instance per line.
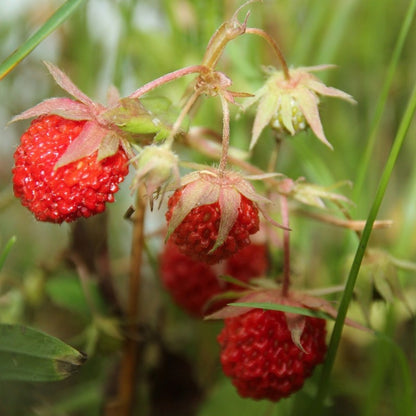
x=64, y=107
x=67, y=85
x=274, y=299
x=98, y=133
x=84, y=145
x=213, y=213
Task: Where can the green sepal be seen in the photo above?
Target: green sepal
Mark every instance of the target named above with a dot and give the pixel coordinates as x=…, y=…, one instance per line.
x=133, y=117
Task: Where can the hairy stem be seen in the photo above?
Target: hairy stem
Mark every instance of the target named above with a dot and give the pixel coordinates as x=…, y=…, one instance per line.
x=228, y=31
x=275, y=47
x=171, y=76
x=185, y=110
x=286, y=245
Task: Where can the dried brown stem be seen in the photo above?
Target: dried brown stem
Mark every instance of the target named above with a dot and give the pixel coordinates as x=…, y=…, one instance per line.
x=124, y=402
x=355, y=225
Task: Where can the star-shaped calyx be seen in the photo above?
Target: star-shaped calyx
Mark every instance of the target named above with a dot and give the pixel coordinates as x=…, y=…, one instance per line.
x=213, y=213
x=289, y=102
x=98, y=134
x=289, y=303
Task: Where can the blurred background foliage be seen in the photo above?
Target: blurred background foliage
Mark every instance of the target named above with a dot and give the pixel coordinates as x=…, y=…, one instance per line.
x=130, y=42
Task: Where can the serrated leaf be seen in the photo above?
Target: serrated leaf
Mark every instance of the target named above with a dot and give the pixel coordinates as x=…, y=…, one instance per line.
x=27, y=354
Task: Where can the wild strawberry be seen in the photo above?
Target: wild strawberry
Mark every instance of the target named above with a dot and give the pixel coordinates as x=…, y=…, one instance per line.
x=192, y=283
x=259, y=355
x=72, y=157
x=249, y=262
x=212, y=215
x=77, y=189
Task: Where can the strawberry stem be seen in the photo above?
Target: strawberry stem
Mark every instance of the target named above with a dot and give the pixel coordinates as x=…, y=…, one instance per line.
x=124, y=402
x=185, y=110
x=275, y=47
x=171, y=76
x=286, y=245
x=228, y=31
x=225, y=134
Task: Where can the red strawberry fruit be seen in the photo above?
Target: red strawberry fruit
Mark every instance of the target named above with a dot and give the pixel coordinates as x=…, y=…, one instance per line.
x=259, y=355
x=212, y=215
x=198, y=232
x=77, y=189
x=192, y=283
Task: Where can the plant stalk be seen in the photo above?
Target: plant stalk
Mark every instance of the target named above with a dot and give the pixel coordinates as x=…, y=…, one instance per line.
x=275, y=47
x=225, y=134
x=355, y=267
x=171, y=76
x=286, y=245
x=124, y=402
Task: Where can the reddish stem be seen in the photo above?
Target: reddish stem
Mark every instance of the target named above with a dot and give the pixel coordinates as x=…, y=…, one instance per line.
x=171, y=76
x=286, y=245
x=185, y=110
x=275, y=47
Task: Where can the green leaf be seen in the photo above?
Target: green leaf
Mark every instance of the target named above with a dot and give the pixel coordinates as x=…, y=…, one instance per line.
x=30, y=355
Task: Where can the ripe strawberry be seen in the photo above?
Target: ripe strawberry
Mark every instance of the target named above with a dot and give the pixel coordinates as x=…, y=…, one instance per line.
x=212, y=216
x=77, y=189
x=259, y=355
x=192, y=283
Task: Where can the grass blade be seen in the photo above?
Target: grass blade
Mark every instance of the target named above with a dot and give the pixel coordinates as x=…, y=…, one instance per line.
x=352, y=277
x=365, y=162
x=48, y=27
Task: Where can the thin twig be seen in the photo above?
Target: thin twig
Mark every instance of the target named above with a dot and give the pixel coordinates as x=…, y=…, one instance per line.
x=185, y=110
x=171, y=76
x=355, y=225
x=286, y=245
x=275, y=47
x=225, y=134
x=124, y=402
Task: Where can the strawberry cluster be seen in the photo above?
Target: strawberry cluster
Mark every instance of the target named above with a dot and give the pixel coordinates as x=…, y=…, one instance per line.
x=192, y=284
